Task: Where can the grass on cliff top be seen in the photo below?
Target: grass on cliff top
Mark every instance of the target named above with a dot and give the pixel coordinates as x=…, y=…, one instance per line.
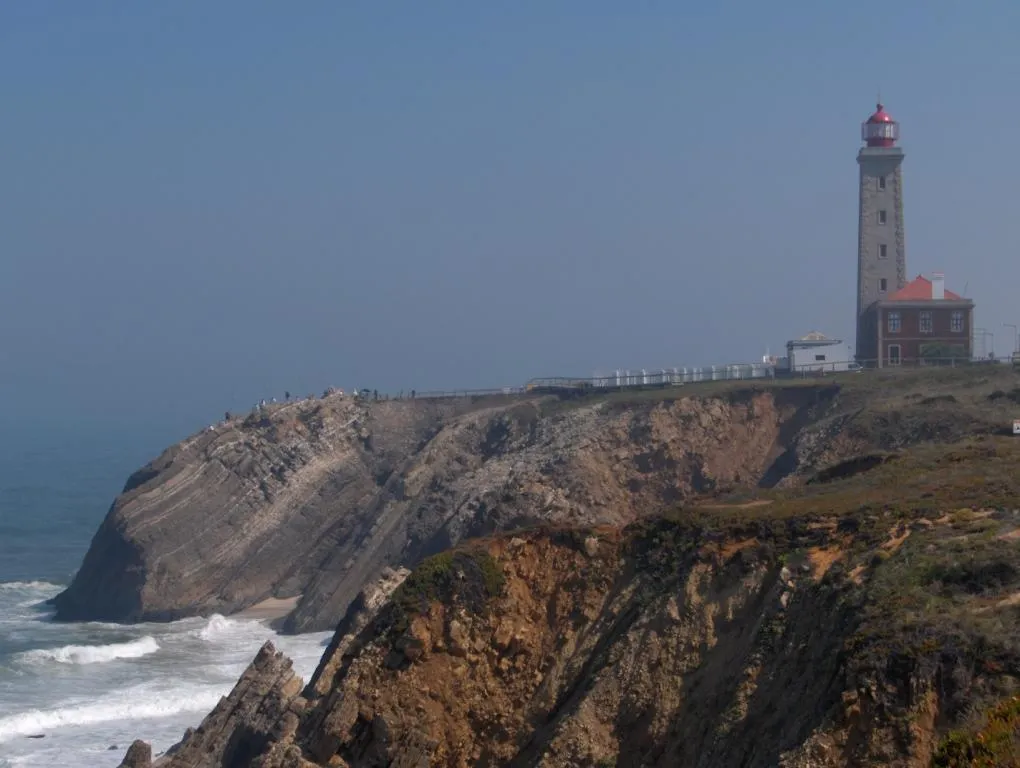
x=929, y=492
x=922, y=480
x=968, y=383
x=928, y=538
x=926, y=548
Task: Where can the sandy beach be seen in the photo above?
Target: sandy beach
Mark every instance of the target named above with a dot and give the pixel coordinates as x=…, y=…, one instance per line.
x=271, y=609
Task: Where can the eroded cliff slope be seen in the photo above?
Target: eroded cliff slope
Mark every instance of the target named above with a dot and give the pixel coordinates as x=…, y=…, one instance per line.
x=248, y=510
x=315, y=498
x=864, y=619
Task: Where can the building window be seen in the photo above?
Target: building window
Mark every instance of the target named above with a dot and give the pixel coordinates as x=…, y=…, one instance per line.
x=881, y=217
x=894, y=354
x=819, y=357
x=925, y=322
x=956, y=322
x=883, y=251
x=882, y=284
x=893, y=320
x=881, y=182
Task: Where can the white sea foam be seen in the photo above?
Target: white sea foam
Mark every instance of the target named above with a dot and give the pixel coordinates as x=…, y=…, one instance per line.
x=220, y=627
x=93, y=654
x=33, y=602
x=26, y=586
x=133, y=704
x=55, y=682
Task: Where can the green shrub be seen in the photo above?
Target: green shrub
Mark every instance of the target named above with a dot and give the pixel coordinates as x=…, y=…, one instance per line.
x=995, y=745
x=465, y=579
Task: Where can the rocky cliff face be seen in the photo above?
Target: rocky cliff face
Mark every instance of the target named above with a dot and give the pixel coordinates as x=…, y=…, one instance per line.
x=664, y=644
x=249, y=510
x=860, y=611
x=315, y=498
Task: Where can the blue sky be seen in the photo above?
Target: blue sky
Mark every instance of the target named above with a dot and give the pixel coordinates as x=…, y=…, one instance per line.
x=203, y=204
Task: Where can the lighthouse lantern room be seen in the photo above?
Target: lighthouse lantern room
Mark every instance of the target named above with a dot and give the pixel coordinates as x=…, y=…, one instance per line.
x=880, y=130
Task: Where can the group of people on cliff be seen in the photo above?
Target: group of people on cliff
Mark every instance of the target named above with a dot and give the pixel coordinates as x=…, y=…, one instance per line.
x=361, y=394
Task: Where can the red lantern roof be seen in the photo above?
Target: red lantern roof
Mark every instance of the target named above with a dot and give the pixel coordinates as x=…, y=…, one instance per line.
x=880, y=130
x=881, y=116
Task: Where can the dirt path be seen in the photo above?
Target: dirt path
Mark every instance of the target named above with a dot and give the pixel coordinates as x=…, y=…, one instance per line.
x=742, y=505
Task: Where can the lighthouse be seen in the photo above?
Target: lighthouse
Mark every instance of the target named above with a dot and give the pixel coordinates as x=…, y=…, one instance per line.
x=881, y=247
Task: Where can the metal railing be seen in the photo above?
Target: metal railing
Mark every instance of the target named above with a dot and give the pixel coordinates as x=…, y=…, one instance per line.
x=675, y=377
x=663, y=377
x=446, y=393
x=667, y=377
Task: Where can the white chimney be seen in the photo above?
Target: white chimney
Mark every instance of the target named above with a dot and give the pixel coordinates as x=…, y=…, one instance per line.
x=938, y=286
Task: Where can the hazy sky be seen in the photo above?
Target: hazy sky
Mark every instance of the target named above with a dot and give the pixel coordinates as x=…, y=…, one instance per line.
x=202, y=204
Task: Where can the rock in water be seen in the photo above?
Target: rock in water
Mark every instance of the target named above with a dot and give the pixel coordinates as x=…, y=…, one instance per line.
x=263, y=707
x=139, y=755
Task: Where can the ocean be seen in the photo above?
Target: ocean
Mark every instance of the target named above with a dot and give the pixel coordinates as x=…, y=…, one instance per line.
x=77, y=695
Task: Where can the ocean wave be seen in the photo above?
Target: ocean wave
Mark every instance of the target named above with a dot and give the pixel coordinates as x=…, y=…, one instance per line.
x=24, y=586
x=94, y=654
x=36, y=602
x=129, y=705
x=220, y=627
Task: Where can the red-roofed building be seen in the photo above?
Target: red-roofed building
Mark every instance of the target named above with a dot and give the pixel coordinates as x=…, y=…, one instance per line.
x=922, y=322
x=923, y=289
x=898, y=322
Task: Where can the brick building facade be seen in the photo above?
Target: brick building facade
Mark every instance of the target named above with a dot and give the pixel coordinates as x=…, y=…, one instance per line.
x=920, y=323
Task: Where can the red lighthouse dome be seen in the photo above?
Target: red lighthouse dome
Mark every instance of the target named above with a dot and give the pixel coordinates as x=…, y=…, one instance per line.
x=880, y=130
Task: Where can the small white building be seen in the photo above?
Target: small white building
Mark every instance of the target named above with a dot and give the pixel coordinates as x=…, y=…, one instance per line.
x=817, y=352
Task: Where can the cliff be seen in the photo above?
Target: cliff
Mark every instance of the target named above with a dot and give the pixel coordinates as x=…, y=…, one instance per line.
x=249, y=510
x=315, y=498
x=865, y=618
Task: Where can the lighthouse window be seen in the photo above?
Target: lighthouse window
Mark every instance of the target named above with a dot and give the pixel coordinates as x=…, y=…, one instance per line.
x=881, y=217
x=881, y=182
x=882, y=284
x=882, y=251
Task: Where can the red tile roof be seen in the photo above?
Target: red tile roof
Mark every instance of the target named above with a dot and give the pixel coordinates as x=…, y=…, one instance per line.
x=918, y=289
